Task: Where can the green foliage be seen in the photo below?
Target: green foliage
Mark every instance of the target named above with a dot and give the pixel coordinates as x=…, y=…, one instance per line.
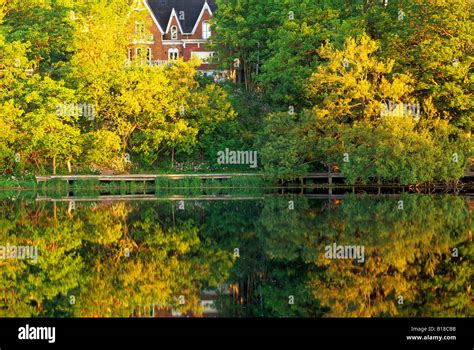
x=82, y=255
x=285, y=145
x=241, y=32
x=114, y=257
x=294, y=44
x=331, y=62
x=164, y=183
x=102, y=147
x=346, y=127
x=56, y=53
x=434, y=43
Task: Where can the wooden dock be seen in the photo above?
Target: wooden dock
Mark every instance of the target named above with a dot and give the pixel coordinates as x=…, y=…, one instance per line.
x=205, y=198
x=329, y=176
x=140, y=177
x=146, y=198
x=153, y=177
x=324, y=176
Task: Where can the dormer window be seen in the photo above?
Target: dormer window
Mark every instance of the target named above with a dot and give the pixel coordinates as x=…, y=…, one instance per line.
x=174, y=33
x=206, y=30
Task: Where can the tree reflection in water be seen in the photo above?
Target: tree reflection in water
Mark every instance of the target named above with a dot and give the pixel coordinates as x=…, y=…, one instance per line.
x=139, y=259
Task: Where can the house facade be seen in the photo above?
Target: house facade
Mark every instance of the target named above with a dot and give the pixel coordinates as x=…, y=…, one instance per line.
x=172, y=29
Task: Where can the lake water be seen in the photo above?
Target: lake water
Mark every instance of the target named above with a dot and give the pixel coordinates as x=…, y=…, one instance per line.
x=263, y=256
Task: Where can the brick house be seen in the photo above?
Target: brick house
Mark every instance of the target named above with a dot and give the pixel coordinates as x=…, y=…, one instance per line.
x=172, y=29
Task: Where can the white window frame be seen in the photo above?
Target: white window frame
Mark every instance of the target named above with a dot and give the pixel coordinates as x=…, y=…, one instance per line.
x=148, y=55
x=174, y=33
x=173, y=54
x=204, y=56
x=139, y=54
x=206, y=30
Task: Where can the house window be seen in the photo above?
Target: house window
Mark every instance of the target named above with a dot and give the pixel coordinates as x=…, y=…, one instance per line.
x=140, y=29
x=148, y=55
x=139, y=54
x=206, y=30
x=173, y=54
x=174, y=33
x=130, y=54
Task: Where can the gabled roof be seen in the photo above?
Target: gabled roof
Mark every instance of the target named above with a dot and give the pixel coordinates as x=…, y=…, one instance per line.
x=162, y=11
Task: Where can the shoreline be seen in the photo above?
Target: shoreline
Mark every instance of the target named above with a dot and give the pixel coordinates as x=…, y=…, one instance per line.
x=218, y=180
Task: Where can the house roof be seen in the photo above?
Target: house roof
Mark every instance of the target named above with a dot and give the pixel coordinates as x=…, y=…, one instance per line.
x=162, y=10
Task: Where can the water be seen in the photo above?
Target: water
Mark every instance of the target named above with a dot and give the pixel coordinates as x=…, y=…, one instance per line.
x=269, y=256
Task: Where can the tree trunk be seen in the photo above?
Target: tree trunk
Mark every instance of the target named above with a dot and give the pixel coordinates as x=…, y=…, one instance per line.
x=54, y=165
x=69, y=167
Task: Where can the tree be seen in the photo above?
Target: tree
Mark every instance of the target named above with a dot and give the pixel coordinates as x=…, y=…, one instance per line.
x=102, y=148
x=101, y=32
x=433, y=42
x=44, y=26
x=241, y=32
x=286, y=145
x=51, y=135
x=159, y=109
x=293, y=47
x=350, y=93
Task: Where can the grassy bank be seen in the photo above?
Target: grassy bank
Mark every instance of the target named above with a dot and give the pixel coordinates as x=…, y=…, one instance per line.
x=11, y=186
x=190, y=186
x=17, y=183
